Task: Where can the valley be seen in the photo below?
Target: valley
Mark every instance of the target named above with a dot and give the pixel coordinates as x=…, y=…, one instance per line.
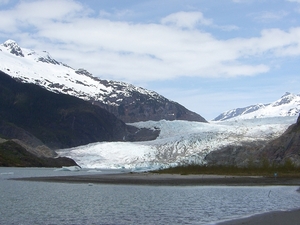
x=51, y=110
x=182, y=143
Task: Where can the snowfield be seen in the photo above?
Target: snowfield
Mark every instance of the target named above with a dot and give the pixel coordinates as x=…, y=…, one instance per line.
x=287, y=105
x=38, y=67
x=179, y=142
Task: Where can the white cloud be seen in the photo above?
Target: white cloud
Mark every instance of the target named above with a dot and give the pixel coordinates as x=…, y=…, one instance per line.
x=186, y=19
x=141, y=51
x=37, y=13
x=55, y=9
x=271, y=43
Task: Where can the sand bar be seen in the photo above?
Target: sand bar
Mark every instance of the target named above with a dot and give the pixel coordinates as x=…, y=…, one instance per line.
x=168, y=179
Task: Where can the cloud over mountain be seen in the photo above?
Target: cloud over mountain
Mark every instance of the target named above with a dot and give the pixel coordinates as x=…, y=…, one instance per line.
x=142, y=51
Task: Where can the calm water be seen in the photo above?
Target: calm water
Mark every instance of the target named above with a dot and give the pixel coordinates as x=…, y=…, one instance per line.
x=24, y=202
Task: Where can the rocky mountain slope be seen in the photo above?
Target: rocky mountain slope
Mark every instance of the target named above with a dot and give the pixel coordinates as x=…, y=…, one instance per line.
x=127, y=102
x=276, y=151
x=286, y=147
x=42, y=119
x=287, y=105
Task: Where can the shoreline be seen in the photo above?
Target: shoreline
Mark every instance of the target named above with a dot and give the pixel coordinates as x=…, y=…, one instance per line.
x=168, y=180
x=291, y=217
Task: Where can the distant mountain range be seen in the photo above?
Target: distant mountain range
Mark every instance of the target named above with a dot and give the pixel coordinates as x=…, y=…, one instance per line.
x=125, y=101
x=287, y=105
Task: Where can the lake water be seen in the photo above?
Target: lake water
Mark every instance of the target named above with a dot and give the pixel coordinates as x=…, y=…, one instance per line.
x=24, y=202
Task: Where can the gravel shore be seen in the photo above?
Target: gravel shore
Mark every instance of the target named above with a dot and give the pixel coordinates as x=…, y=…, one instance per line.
x=168, y=179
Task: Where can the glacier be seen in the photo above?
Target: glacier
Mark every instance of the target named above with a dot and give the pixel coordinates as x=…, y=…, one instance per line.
x=179, y=142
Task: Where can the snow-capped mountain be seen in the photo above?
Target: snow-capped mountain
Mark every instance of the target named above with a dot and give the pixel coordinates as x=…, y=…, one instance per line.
x=191, y=143
x=127, y=102
x=287, y=105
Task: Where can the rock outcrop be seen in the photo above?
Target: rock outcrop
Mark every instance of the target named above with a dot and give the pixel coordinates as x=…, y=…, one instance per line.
x=243, y=155
x=286, y=147
x=13, y=154
x=275, y=152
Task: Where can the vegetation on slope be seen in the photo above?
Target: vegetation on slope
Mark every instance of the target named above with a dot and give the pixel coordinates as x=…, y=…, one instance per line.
x=288, y=169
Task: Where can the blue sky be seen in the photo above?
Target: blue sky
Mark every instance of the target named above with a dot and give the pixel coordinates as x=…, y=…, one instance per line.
x=210, y=56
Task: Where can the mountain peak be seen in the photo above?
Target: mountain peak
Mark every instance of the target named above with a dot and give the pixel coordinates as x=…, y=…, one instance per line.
x=286, y=94
x=287, y=105
x=13, y=47
x=84, y=72
x=287, y=98
x=127, y=102
x=9, y=42
x=47, y=58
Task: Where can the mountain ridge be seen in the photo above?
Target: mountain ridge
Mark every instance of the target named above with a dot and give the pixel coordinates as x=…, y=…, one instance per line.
x=27, y=109
x=13, y=154
x=276, y=151
x=287, y=105
x=58, y=120
x=126, y=101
